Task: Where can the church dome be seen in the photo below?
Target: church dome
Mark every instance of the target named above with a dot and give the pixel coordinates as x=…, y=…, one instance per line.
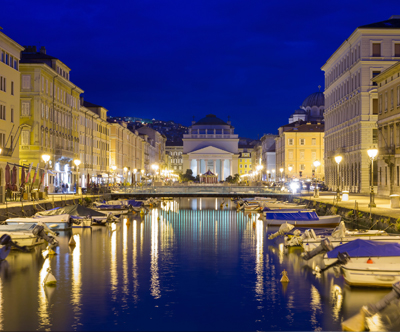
x=314, y=99
x=210, y=119
x=300, y=111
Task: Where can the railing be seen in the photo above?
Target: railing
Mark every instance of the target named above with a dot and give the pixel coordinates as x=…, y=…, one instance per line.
x=194, y=190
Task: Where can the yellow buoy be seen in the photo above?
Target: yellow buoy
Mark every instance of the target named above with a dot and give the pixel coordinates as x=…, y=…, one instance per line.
x=72, y=242
x=284, y=276
x=158, y=218
x=51, y=252
x=249, y=215
x=226, y=204
x=128, y=222
x=221, y=206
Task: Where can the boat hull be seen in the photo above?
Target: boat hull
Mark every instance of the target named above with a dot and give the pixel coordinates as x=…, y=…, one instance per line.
x=58, y=222
x=22, y=239
x=371, y=275
x=324, y=221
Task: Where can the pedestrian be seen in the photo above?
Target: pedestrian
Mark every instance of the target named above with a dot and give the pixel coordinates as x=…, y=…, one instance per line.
x=66, y=188
x=63, y=188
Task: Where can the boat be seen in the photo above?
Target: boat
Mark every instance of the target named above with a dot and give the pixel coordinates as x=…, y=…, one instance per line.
x=300, y=218
x=372, y=263
x=114, y=209
x=24, y=238
x=311, y=241
x=279, y=205
x=98, y=217
x=58, y=222
x=249, y=206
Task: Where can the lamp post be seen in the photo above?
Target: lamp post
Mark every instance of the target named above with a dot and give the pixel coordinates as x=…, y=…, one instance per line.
x=125, y=174
x=46, y=159
x=134, y=172
x=316, y=191
x=290, y=169
x=281, y=170
x=338, y=159
x=273, y=175
x=77, y=162
x=372, y=153
x=113, y=169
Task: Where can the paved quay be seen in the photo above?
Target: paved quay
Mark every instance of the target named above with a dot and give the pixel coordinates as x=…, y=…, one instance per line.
x=382, y=204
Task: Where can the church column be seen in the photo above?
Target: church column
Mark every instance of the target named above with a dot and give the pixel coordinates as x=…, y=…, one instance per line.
x=230, y=167
x=198, y=166
x=214, y=166
x=222, y=170
x=206, y=165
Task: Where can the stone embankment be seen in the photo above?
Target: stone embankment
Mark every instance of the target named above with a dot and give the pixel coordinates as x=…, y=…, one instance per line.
x=354, y=217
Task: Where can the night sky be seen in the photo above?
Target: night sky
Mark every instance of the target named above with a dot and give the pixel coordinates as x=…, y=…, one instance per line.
x=170, y=60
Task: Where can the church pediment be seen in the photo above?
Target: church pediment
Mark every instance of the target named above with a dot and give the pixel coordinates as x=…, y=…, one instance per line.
x=210, y=150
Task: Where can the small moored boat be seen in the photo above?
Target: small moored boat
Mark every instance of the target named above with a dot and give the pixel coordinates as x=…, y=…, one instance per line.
x=300, y=218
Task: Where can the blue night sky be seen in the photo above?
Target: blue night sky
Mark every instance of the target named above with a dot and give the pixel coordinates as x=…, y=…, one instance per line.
x=253, y=60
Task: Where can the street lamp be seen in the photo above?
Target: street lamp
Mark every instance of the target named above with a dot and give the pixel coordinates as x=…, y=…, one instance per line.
x=46, y=159
x=77, y=162
x=154, y=167
x=338, y=159
x=113, y=169
x=372, y=153
x=259, y=168
x=316, y=192
x=125, y=174
x=281, y=170
x=290, y=169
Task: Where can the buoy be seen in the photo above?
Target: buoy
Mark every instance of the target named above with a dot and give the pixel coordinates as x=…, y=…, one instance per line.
x=141, y=213
x=151, y=205
x=128, y=222
x=249, y=215
x=221, y=206
x=254, y=224
x=284, y=276
x=369, y=261
x=72, y=242
x=226, y=204
x=158, y=218
x=52, y=252
x=49, y=279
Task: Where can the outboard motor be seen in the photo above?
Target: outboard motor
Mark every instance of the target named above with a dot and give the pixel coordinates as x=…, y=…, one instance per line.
x=7, y=243
x=342, y=259
x=39, y=232
x=324, y=246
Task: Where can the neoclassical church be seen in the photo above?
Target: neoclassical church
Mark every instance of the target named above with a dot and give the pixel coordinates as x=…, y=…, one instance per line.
x=312, y=109
x=211, y=145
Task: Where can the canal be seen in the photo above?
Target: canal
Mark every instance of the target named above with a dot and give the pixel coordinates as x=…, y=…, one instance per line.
x=188, y=265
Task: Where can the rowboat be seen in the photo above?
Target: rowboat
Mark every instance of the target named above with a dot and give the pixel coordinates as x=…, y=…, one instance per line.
x=300, y=218
x=372, y=263
x=58, y=222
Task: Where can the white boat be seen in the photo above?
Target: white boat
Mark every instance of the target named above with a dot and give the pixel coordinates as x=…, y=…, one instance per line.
x=57, y=222
x=278, y=205
x=313, y=242
x=372, y=263
x=23, y=238
x=300, y=218
x=81, y=222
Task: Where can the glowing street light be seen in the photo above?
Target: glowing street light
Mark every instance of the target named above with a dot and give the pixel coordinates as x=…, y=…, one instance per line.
x=77, y=162
x=372, y=153
x=338, y=159
x=281, y=170
x=316, y=191
x=290, y=170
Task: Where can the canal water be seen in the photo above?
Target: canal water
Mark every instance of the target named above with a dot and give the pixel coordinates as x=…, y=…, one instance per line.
x=189, y=265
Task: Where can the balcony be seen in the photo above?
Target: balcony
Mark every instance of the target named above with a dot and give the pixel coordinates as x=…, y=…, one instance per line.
x=62, y=153
x=6, y=152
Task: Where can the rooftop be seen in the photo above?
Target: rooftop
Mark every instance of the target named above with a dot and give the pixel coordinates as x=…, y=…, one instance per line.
x=211, y=119
x=392, y=23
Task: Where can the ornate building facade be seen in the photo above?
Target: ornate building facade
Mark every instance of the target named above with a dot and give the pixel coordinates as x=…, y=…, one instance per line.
x=211, y=145
x=351, y=101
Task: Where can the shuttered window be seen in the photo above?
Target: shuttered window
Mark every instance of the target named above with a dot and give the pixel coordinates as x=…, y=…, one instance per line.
x=26, y=81
x=376, y=49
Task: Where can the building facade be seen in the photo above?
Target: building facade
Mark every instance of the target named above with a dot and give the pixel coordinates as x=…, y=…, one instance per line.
x=269, y=156
x=9, y=105
x=388, y=163
x=244, y=163
x=298, y=146
x=351, y=101
x=211, y=145
x=174, y=151
x=49, y=116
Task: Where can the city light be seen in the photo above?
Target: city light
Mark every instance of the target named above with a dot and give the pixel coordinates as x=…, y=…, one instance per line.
x=45, y=157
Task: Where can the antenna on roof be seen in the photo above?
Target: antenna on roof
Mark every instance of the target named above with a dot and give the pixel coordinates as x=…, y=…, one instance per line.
x=319, y=87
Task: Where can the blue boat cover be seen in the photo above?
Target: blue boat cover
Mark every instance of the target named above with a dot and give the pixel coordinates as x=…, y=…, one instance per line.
x=292, y=215
x=134, y=203
x=113, y=207
x=367, y=248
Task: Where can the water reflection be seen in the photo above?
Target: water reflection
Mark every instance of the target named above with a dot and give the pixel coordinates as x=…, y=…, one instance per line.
x=76, y=280
x=1, y=301
x=260, y=258
x=155, y=282
x=316, y=308
x=135, y=274
x=43, y=310
x=113, y=264
x=336, y=300
x=125, y=226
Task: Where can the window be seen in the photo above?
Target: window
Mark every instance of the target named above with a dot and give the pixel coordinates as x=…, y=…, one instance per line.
x=391, y=99
x=25, y=110
x=42, y=111
x=380, y=104
x=290, y=141
x=26, y=81
x=375, y=73
x=241, y=165
x=2, y=112
x=302, y=167
x=376, y=49
x=42, y=84
x=25, y=137
x=12, y=88
x=386, y=102
x=302, y=154
x=12, y=115
x=313, y=155
x=313, y=141
x=397, y=50
x=374, y=106
x=245, y=166
x=302, y=141
x=290, y=154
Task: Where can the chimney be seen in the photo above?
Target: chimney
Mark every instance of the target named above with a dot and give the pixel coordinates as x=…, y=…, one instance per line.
x=43, y=50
